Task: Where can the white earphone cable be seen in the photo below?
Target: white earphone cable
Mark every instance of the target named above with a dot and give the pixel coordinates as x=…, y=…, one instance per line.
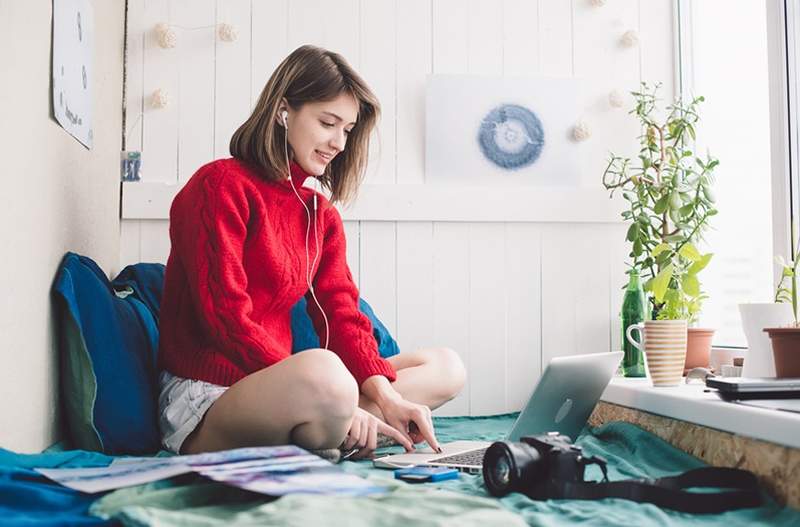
x=309, y=265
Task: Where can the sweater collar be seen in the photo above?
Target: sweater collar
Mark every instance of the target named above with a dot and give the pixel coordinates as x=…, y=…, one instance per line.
x=299, y=175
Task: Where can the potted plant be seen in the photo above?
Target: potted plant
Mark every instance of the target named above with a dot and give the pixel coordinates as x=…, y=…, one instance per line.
x=670, y=202
x=786, y=340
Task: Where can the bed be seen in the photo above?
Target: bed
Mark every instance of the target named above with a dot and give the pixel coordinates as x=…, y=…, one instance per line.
x=28, y=499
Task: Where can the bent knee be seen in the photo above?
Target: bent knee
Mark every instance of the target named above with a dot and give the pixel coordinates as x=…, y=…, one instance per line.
x=329, y=384
x=453, y=372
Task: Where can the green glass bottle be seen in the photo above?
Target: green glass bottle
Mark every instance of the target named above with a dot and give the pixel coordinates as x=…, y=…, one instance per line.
x=634, y=311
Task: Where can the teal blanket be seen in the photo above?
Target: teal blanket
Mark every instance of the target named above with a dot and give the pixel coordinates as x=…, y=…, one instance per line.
x=631, y=452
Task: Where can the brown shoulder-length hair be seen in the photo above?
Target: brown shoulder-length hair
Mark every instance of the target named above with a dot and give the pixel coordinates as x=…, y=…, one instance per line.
x=309, y=74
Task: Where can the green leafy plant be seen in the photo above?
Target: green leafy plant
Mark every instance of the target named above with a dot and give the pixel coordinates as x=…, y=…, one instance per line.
x=788, y=293
x=670, y=201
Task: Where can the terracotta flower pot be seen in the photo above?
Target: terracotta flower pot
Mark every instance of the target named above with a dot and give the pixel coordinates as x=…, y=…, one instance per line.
x=785, y=350
x=698, y=348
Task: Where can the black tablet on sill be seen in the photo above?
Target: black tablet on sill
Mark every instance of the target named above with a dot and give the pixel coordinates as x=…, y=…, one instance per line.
x=738, y=388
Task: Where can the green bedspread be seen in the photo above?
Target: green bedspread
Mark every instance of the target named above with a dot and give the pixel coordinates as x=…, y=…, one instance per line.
x=632, y=453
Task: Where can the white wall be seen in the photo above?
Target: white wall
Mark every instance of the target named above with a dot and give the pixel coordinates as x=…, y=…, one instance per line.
x=56, y=196
x=508, y=278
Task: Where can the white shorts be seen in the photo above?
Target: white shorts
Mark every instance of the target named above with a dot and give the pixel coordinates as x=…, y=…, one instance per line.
x=182, y=403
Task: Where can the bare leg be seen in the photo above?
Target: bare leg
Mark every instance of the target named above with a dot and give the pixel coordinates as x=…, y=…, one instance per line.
x=307, y=399
x=430, y=376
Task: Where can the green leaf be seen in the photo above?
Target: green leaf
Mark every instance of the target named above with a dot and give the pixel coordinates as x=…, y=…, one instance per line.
x=633, y=232
x=660, y=283
x=661, y=204
x=691, y=285
x=689, y=252
x=660, y=248
x=675, y=200
x=700, y=264
x=708, y=193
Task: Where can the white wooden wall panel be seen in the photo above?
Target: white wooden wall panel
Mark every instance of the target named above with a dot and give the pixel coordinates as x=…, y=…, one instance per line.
x=333, y=25
x=414, y=63
x=617, y=279
x=507, y=291
x=232, y=93
x=451, y=295
x=575, y=290
x=269, y=42
x=604, y=64
x=378, y=270
x=160, y=128
x=485, y=37
x=523, y=266
x=155, y=241
x=657, y=62
x=130, y=242
x=555, y=38
x=378, y=49
x=415, y=285
x=487, y=318
x=134, y=70
x=196, y=88
x=450, y=39
x=521, y=46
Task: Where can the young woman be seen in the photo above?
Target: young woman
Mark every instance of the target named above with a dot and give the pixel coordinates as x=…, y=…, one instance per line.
x=248, y=241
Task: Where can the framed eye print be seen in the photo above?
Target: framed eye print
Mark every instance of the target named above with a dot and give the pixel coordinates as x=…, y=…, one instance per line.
x=501, y=131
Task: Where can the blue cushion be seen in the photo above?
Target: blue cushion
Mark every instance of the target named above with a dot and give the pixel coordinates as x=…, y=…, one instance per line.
x=305, y=337
x=109, y=347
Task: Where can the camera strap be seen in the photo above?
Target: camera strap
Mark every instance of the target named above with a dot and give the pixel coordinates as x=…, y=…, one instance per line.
x=670, y=492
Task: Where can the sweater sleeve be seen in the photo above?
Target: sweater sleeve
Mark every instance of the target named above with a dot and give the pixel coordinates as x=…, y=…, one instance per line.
x=351, y=336
x=208, y=231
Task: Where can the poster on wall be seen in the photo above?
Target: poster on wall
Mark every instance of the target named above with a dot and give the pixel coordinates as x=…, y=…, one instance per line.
x=73, y=50
x=501, y=131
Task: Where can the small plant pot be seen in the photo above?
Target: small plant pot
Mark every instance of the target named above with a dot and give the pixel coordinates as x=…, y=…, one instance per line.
x=785, y=350
x=698, y=348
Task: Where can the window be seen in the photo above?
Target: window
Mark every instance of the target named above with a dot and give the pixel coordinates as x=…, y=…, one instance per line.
x=724, y=57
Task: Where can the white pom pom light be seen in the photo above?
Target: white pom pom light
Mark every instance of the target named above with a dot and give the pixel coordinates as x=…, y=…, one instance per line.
x=597, y=3
x=630, y=39
x=616, y=99
x=159, y=99
x=228, y=32
x=581, y=131
x=167, y=38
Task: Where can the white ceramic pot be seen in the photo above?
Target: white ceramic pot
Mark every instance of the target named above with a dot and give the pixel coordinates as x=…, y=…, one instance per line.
x=758, y=361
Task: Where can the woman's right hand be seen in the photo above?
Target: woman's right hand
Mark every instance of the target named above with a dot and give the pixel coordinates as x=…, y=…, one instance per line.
x=363, y=434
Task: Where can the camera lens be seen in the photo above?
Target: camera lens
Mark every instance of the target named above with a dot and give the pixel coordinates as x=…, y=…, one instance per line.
x=503, y=466
x=501, y=472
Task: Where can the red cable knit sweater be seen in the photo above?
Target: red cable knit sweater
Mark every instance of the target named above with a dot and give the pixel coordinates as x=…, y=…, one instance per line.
x=238, y=265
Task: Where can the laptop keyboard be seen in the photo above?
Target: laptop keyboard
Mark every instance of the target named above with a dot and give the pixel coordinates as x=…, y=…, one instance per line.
x=470, y=457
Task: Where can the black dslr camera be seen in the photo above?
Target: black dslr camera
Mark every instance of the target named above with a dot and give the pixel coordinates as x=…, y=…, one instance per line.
x=539, y=466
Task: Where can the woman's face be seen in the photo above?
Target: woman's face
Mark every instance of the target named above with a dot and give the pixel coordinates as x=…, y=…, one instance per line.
x=318, y=131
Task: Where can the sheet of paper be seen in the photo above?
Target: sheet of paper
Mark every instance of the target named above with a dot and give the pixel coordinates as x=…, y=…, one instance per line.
x=101, y=479
x=73, y=49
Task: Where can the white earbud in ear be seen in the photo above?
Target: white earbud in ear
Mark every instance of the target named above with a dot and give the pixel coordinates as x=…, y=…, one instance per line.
x=285, y=117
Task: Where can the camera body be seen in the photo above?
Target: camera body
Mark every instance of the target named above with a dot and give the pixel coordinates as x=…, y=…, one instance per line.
x=538, y=466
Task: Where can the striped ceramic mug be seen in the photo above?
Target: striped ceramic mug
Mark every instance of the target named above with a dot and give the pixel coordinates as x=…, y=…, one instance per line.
x=664, y=347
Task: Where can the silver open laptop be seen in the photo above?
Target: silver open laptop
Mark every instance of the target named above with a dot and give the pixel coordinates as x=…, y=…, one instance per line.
x=562, y=401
